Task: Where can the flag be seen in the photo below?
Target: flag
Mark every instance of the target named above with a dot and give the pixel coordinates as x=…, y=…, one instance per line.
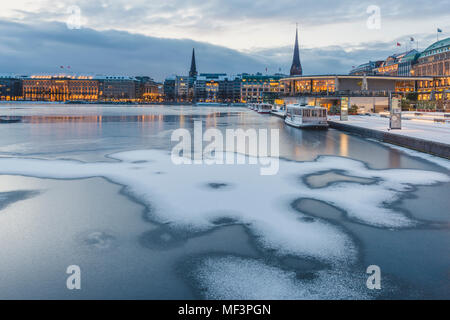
x=439, y=30
x=62, y=67
x=399, y=44
x=68, y=67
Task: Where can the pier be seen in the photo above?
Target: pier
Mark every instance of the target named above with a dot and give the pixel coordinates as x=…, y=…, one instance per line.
x=420, y=135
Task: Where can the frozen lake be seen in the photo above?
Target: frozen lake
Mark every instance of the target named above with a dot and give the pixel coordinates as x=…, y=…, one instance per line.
x=95, y=187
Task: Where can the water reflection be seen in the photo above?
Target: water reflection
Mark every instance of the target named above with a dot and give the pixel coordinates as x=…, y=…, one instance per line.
x=125, y=128
x=344, y=145
x=395, y=159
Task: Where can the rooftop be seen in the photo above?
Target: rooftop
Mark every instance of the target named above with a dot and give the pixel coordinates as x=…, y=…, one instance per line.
x=116, y=78
x=339, y=76
x=437, y=47
x=401, y=57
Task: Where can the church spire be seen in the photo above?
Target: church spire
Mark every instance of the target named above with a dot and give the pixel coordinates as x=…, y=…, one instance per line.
x=296, y=68
x=193, y=71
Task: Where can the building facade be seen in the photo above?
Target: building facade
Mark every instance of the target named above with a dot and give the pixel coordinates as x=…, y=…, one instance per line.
x=224, y=88
x=398, y=64
x=203, y=87
x=369, y=92
x=230, y=90
x=182, y=89
x=217, y=87
x=90, y=89
x=10, y=88
x=149, y=91
x=261, y=88
x=118, y=88
x=169, y=89
x=83, y=89
x=437, y=90
x=434, y=61
x=179, y=89
x=60, y=88
x=366, y=68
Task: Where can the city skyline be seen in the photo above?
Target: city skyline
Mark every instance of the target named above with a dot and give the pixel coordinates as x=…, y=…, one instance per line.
x=36, y=38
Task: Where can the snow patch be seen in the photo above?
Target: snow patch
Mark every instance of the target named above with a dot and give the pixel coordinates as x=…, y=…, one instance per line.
x=233, y=278
x=179, y=197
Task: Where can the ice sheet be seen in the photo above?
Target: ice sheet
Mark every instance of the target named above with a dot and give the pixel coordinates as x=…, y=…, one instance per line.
x=182, y=196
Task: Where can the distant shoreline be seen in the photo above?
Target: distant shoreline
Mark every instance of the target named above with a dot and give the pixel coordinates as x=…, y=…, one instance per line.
x=94, y=103
x=106, y=103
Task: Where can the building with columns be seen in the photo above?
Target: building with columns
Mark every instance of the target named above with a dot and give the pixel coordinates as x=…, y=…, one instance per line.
x=369, y=92
x=60, y=88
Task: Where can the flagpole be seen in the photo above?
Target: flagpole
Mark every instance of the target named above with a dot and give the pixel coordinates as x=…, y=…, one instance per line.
x=439, y=30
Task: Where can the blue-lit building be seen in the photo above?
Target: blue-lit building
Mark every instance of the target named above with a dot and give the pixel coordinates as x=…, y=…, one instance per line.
x=217, y=87
x=366, y=68
x=10, y=87
x=406, y=63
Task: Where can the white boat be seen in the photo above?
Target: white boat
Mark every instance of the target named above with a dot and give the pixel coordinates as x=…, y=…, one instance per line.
x=303, y=116
x=279, y=111
x=264, y=108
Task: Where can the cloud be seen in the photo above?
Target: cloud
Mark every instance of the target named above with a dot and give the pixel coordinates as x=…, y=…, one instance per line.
x=44, y=47
x=244, y=24
x=200, y=12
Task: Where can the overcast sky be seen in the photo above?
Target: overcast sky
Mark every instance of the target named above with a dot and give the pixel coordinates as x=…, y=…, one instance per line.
x=155, y=37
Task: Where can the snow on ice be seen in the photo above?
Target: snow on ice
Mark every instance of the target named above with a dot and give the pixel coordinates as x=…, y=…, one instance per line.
x=182, y=196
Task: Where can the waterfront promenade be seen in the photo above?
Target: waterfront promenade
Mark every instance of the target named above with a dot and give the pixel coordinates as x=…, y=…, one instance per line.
x=421, y=135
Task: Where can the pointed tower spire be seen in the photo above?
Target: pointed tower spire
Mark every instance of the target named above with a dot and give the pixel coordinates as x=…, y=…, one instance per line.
x=193, y=72
x=296, y=68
